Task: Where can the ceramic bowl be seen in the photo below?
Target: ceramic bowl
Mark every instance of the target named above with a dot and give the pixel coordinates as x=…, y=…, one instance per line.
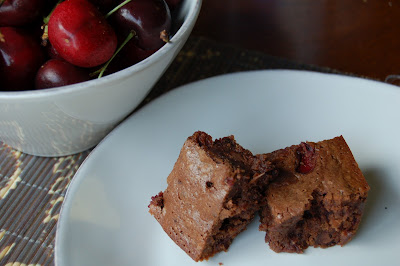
x=70, y=119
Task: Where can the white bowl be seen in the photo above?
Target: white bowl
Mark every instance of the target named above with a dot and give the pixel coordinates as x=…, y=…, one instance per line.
x=70, y=119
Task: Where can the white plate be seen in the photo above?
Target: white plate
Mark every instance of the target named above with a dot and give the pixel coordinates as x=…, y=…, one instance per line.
x=105, y=219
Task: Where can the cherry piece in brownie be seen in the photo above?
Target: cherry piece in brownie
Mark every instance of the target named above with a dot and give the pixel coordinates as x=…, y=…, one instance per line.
x=317, y=199
x=213, y=193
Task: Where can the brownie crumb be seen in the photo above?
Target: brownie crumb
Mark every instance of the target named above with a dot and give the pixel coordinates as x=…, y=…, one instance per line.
x=209, y=184
x=157, y=200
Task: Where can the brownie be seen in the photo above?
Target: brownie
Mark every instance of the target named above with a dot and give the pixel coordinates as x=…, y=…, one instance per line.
x=316, y=200
x=214, y=191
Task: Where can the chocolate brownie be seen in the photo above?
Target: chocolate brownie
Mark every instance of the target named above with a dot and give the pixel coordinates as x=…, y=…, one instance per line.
x=317, y=199
x=214, y=191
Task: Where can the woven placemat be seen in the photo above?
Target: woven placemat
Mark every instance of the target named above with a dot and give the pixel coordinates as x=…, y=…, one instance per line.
x=32, y=188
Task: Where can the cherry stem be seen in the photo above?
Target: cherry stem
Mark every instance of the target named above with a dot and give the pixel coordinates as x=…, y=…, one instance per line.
x=116, y=8
x=103, y=69
x=45, y=28
x=1, y=2
x=46, y=19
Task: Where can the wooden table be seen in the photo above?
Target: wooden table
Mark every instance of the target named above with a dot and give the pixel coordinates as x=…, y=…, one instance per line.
x=355, y=36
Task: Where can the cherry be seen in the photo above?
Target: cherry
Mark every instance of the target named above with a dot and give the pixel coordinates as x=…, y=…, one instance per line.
x=307, y=158
x=80, y=33
x=147, y=18
x=135, y=54
x=56, y=73
x=51, y=52
x=20, y=58
x=128, y=56
x=20, y=12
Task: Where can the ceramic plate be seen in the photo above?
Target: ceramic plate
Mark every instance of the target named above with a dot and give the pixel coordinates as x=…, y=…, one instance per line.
x=105, y=219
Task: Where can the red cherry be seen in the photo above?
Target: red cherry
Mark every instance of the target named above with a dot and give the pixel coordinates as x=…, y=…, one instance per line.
x=147, y=18
x=308, y=158
x=135, y=54
x=80, y=34
x=56, y=73
x=20, y=58
x=130, y=55
x=20, y=12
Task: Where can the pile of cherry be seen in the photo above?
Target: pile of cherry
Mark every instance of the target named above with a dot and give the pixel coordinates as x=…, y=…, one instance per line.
x=52, y=43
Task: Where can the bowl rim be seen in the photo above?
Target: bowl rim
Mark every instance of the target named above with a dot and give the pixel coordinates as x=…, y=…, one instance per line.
x=188, y=22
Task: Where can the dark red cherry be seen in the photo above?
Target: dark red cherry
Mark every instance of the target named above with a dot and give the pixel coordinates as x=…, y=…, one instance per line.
x=307, y=158
x=147, y=18
x=136, y=54
x=56, y=73
x=80, y=33
x=20, y=12
x=52, y=53
x=130, y=55
x=20, y=58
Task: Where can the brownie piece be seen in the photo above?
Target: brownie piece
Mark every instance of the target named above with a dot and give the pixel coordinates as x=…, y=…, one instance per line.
x=214, y=191
x=317, y=199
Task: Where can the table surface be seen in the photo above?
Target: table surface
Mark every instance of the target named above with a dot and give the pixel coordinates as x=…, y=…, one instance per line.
x=354, y=36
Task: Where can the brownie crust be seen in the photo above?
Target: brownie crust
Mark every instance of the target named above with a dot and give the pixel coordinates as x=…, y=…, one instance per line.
x=317, y=199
